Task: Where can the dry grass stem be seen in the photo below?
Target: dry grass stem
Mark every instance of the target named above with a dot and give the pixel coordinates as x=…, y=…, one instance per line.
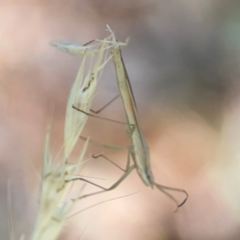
x=57, y=177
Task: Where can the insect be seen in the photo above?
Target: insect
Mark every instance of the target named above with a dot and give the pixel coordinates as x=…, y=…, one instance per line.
x=138, y=150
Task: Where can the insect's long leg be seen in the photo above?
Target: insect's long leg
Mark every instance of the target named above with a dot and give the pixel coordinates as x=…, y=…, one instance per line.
x=131, y=126
x=163, y=189
x=122, y=178
x=127, y=171
x=91, y=115
x=106, y=105
x=104, y=145
x=109, y=147
x=109, y=160
x=128, y=160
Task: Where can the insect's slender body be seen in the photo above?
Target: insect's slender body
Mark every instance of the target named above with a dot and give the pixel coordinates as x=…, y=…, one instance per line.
x=139, y=149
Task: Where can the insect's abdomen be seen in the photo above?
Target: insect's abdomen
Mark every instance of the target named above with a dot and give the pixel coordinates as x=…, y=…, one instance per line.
x=140, y=157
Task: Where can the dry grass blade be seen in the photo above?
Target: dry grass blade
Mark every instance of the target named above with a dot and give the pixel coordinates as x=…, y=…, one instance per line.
x=54, y=208
x=73, y=48
x=82, y=91
x=57, y=177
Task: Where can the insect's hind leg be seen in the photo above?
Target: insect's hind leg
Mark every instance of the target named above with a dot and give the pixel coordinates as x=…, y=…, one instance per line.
x=127, y=171
x=106, y=158
x=91, y=115
x=110, y=147
x=164, y=189
x=105, y=106
x=131, y=126
x=109, y=160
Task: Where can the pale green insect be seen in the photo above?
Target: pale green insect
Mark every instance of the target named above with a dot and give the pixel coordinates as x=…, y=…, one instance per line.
x=138, y=150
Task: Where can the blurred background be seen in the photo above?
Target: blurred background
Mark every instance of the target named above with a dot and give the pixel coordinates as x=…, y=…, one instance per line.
x=183, y=62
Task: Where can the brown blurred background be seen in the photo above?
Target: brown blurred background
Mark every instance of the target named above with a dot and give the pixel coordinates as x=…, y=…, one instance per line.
x=183, y=62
